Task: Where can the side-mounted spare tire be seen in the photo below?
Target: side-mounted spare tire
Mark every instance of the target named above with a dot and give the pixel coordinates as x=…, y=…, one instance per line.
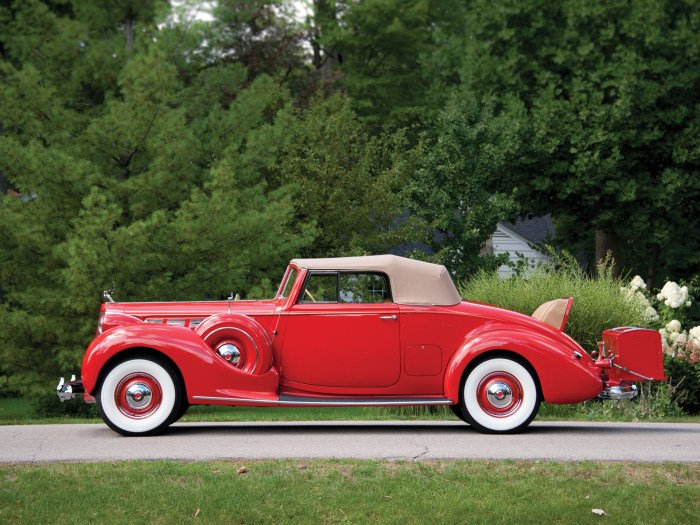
x=241, y=339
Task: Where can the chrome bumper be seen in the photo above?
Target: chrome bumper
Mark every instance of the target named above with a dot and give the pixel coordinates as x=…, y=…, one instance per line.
x=68, y=390
x=617, y=393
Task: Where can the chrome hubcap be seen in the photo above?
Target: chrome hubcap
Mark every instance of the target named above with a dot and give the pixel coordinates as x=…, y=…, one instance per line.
x=230, y=353
x=138, y=395
x=499, y=394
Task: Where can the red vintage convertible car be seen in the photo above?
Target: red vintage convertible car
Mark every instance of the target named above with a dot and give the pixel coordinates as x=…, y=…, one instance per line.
x=355, y=331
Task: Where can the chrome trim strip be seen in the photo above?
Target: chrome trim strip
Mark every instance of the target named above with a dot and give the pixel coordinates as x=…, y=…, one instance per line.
x=327, y=402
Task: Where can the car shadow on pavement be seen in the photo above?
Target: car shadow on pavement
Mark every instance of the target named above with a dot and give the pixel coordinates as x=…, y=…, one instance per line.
x=313, y=427
x=451, y=428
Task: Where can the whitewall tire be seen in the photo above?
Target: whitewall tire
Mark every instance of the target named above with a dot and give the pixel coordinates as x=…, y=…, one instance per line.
x=139, y=396
x=499, y=395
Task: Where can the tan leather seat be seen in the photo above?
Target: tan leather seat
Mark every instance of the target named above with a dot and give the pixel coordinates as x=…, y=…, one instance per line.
x=555, y=313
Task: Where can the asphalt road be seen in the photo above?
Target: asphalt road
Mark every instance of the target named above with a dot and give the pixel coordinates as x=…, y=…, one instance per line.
x=570, y=441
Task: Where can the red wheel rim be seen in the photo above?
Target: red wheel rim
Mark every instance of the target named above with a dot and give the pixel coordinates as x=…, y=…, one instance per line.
x=499, y=394
x=138, y=395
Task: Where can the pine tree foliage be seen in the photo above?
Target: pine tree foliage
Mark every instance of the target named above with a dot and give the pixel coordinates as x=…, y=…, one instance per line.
x=350, y=184
x=166, y=178
x=135, y=155
x=184, y=159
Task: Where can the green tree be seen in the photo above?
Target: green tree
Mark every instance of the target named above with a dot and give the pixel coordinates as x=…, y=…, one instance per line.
x=144, y=163
x=380, y=52
x=129, y=16
x=453, y=190
x=257, y=34
x=605, y=96
x=351, y=184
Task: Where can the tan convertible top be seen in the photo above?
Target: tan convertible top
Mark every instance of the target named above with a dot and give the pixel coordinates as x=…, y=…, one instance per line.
x=412, y=282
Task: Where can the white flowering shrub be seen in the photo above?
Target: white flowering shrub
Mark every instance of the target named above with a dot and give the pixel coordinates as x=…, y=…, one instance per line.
x=674, y=296
x=672, y=300
x=634, y=293
x=679, y=344
x=669, y=308
x=637, y=283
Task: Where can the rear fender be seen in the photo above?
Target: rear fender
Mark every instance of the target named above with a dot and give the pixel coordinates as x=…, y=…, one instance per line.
x=565, y=372
x=204, y=372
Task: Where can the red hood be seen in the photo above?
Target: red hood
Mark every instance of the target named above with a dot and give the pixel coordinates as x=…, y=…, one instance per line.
x=189, y=309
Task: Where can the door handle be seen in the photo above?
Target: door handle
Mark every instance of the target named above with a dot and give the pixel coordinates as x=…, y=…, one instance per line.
x=391, y=317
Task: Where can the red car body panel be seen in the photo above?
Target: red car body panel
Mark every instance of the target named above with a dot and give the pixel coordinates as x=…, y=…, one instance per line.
x=362, y=339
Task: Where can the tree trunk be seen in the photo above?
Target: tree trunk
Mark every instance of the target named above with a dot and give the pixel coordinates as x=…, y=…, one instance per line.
x=323, y=60
x=4, y=183
x=129, y=23
x=653, y=263
x=607, y=242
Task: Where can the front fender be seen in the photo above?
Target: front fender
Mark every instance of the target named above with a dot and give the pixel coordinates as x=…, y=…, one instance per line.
x=204, y=373
x=563, y=377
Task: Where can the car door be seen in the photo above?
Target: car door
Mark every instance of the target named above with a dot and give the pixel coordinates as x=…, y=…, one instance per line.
x=343, y=331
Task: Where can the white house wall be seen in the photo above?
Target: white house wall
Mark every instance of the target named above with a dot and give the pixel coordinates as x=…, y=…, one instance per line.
x=506, y=241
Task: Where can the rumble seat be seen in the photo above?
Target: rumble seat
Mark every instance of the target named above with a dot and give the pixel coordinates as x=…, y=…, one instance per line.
x=555, y=313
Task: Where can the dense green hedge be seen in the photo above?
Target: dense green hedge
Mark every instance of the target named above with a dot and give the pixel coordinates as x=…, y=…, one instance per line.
x=598, y=303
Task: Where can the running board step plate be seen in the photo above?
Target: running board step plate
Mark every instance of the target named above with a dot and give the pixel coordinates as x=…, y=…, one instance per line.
x=286, y=400
x=368, y=401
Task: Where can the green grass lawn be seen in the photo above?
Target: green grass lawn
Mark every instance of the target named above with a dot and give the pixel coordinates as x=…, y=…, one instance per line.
x=19, y=411
x=341, y=491
x=349, y=492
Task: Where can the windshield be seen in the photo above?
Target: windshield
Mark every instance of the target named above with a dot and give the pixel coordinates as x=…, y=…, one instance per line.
x=287, y=283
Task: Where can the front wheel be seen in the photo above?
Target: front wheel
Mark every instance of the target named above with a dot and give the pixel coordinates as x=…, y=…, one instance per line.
x=139, y=397
x=499, y=395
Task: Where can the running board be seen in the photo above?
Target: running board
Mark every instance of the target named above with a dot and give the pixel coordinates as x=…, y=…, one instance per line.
x=285, y=400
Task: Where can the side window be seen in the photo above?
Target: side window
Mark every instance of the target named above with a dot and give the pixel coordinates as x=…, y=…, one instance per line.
x=346, y=287
x=321, y=288
x=363, y=288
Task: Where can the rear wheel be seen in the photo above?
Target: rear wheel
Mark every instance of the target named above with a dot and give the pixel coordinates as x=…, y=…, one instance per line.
x=457, y=411
x=139, y=397
x=499, y=395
